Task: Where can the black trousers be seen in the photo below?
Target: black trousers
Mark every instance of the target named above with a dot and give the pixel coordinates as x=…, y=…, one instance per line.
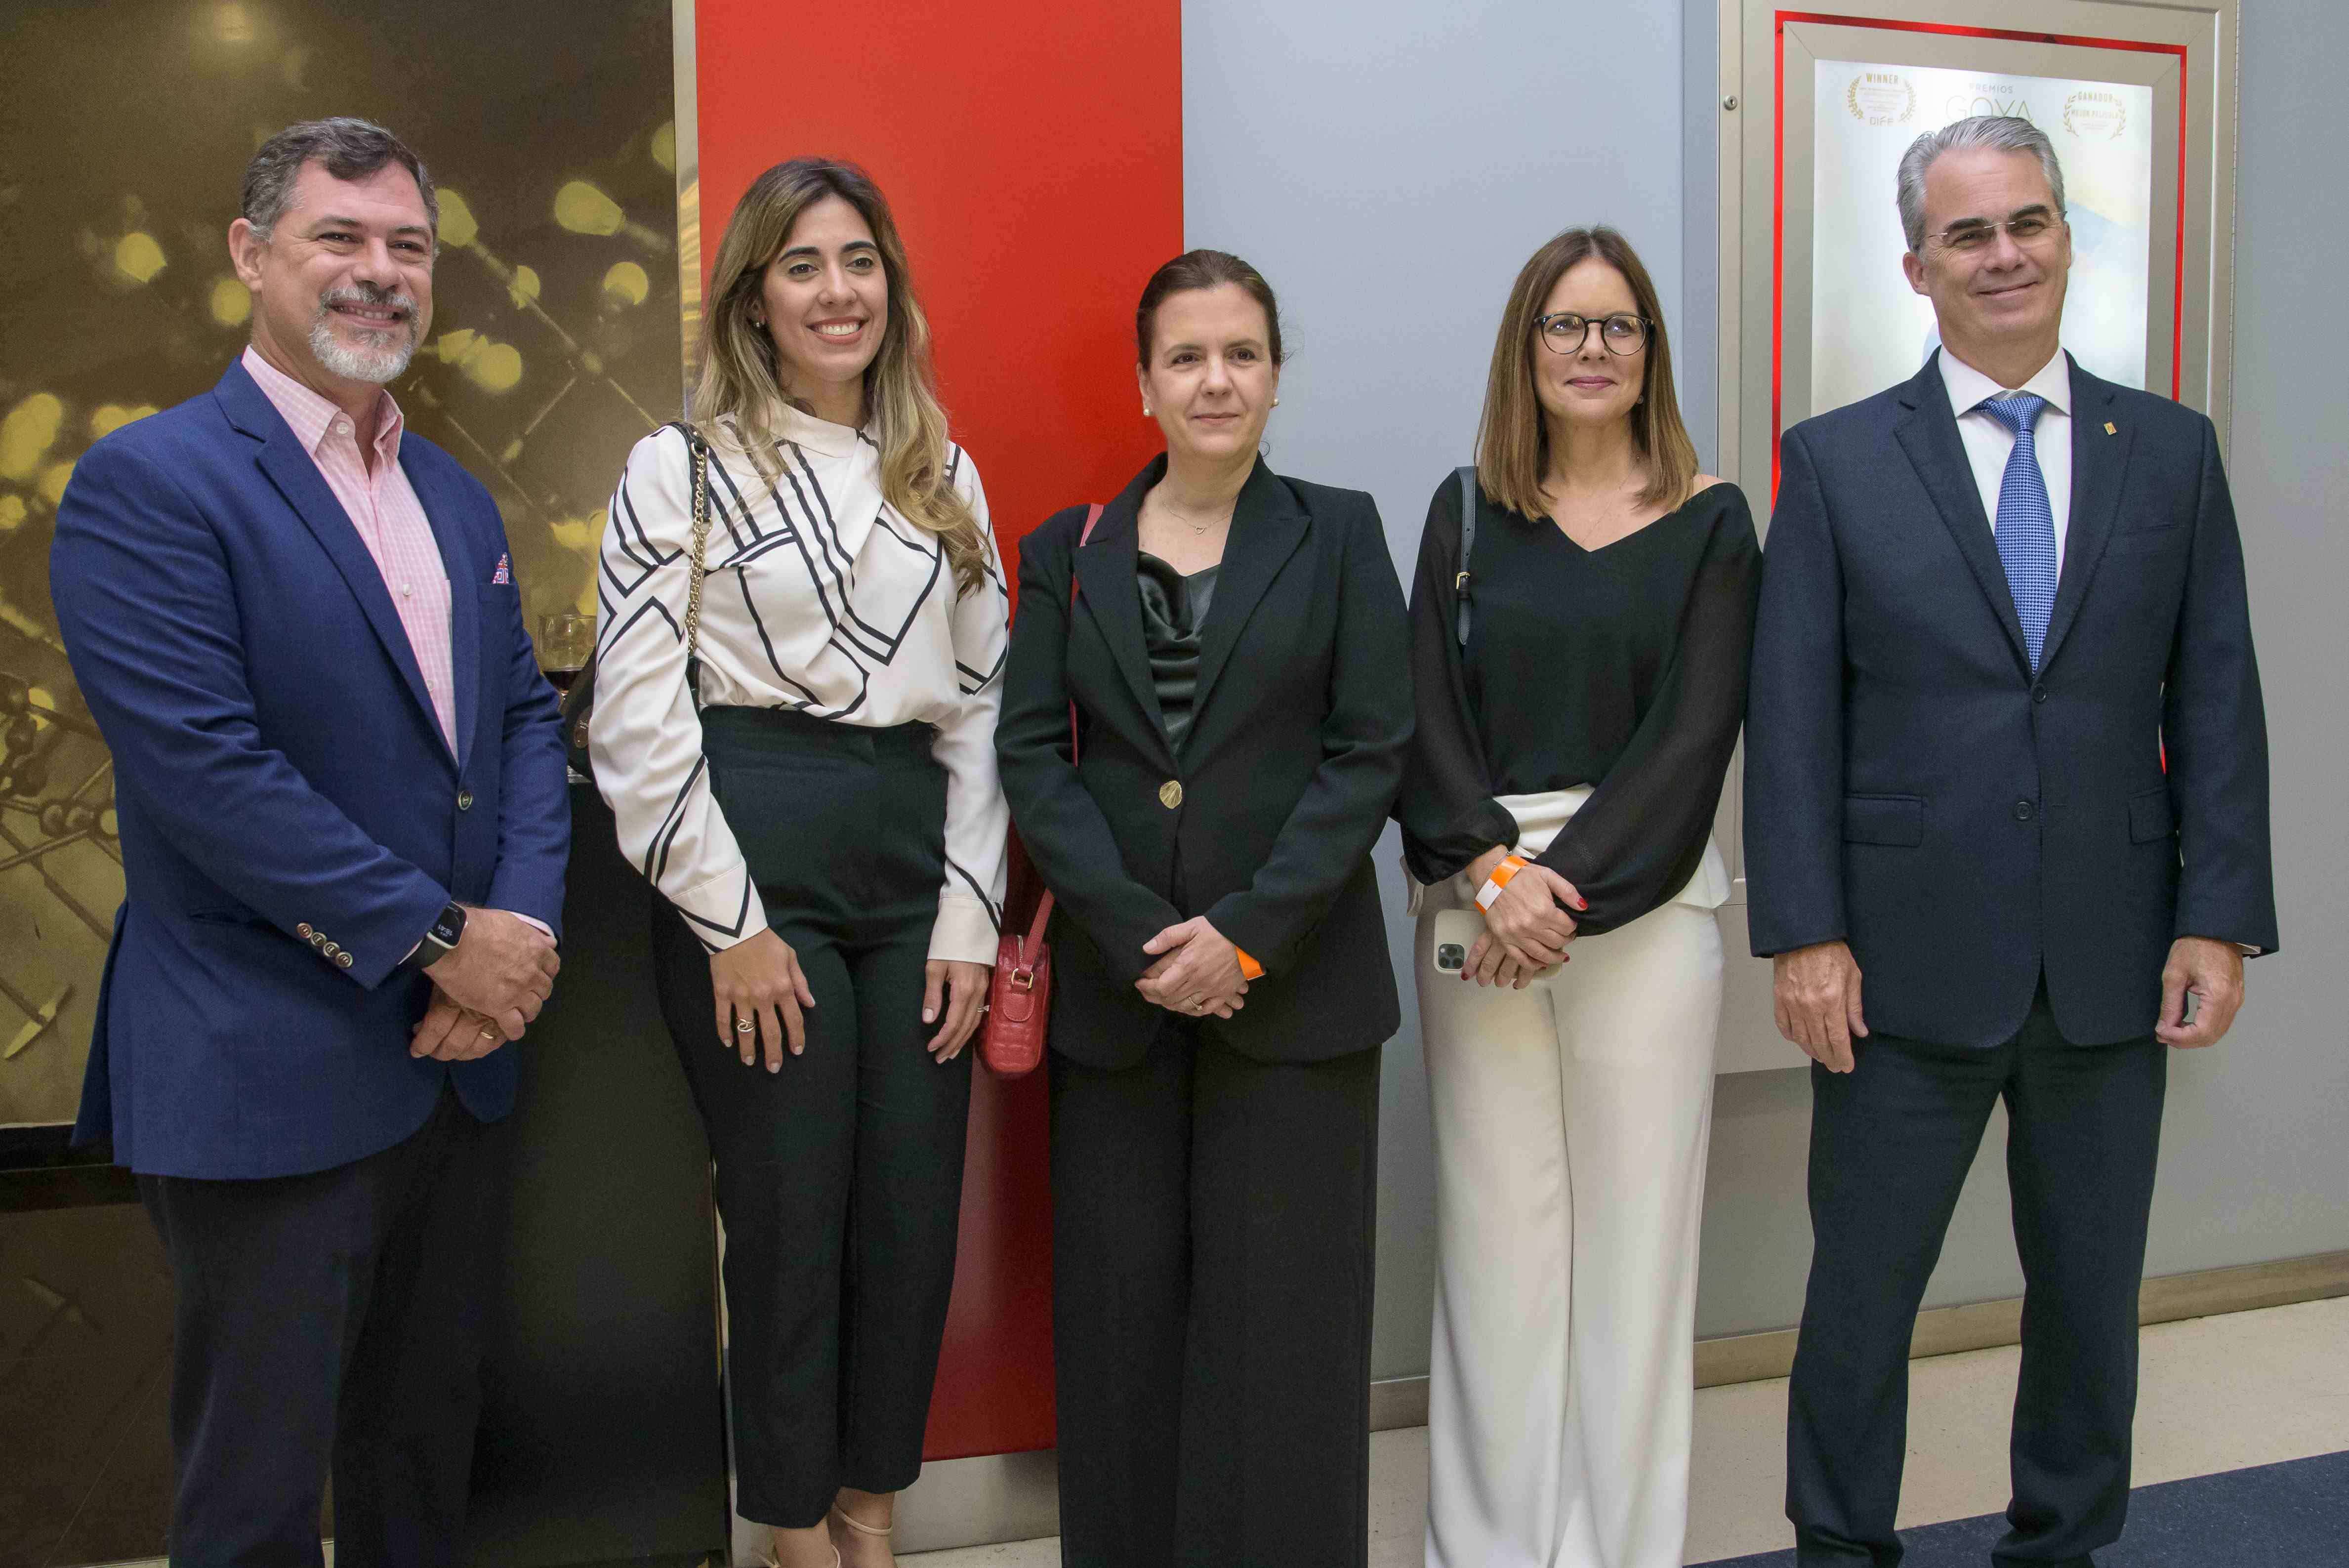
x=333, y=1319
x=1890, y=1145
x=1212, y=1227
x=839, y=1178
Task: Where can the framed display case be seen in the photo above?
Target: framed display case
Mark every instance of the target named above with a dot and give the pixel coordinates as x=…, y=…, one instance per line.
x=1818, y=105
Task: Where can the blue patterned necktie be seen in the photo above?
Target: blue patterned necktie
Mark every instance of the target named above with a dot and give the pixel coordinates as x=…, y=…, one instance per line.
x=2026, y=522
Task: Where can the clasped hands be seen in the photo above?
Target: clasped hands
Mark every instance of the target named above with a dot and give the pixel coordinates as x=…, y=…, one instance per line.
x=1197, y=974
x=1528, y=928
x=487, y=989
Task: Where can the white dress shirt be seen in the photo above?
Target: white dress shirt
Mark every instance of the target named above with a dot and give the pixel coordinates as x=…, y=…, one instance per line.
x=1989, y=443
x=820, y=598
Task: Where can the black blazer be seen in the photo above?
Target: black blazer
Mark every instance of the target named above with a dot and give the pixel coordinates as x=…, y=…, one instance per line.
x=1293, y=754
x=1911, y=788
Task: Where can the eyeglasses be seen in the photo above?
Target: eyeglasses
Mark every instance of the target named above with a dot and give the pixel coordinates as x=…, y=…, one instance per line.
x=2026, y=229
x=1566, y=332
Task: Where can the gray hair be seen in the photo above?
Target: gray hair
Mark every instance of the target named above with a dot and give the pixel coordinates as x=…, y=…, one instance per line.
x=1999, y=132
x=350, y=149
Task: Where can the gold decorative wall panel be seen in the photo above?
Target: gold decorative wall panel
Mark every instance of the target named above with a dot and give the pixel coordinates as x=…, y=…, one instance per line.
x=124, y=130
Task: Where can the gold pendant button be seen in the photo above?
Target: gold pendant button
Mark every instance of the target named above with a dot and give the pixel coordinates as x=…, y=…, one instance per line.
x=1170, y=794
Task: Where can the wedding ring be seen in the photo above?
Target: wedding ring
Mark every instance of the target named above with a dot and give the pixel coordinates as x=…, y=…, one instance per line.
x=743, y=1025
x=487, y=1032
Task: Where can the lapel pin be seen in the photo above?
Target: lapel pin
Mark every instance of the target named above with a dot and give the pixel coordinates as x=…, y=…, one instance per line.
x=2108, y=429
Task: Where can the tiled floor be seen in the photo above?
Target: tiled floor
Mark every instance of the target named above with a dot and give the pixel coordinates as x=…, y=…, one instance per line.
x=2215, y=1393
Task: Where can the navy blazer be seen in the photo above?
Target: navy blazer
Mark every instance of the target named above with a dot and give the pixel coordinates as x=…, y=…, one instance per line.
x=282, y=784
x=1911, y=787
x=1269, y=807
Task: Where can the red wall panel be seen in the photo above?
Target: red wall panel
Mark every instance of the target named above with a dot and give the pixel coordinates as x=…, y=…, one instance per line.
x=1033, y=155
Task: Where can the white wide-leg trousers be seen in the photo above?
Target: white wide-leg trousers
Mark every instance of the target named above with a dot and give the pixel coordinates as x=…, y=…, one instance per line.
x=1571, y=1120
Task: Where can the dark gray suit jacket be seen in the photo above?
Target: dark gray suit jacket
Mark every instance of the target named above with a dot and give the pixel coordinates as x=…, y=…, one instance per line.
x=1912, y=788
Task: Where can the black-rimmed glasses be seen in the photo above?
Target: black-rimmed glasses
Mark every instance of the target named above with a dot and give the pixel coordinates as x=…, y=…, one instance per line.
x=1566, y=333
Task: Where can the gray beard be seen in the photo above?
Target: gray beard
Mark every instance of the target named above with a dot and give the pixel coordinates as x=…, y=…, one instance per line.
x=375, y=366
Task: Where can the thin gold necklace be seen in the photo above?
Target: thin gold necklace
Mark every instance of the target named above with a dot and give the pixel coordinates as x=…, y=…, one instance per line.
x=1198, y=530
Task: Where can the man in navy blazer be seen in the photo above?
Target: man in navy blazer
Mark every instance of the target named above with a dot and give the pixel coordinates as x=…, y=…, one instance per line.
x=2006, y=767
x=344, y=823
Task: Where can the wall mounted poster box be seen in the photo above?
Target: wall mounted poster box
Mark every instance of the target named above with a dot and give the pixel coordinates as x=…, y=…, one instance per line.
x=2138, y=100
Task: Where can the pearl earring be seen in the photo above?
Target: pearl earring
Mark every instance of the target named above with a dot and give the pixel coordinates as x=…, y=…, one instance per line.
x=1146, y=413
x=1276, y=402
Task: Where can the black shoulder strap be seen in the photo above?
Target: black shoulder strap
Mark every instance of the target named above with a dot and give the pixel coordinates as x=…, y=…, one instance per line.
x=1467, y=477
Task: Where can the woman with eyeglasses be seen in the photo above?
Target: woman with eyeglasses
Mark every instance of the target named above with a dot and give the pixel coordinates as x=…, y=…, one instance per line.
x=1580, y=674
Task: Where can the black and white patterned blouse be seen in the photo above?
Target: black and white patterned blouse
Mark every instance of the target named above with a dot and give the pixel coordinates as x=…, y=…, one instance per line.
x=820, y=598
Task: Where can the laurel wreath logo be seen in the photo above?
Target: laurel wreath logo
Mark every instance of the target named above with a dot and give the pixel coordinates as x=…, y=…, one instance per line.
x=1884, y=88
x=2088, y=109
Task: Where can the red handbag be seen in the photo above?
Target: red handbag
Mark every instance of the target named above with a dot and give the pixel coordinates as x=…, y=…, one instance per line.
x=1019, y=998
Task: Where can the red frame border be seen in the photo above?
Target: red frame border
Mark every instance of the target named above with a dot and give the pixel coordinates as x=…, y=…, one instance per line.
x=1778, y=179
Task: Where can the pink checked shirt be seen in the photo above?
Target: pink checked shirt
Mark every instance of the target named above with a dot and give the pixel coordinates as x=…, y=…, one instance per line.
x=383, y=507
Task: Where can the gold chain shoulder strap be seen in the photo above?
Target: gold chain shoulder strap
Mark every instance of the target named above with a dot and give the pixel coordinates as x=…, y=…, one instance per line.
x=699, y=450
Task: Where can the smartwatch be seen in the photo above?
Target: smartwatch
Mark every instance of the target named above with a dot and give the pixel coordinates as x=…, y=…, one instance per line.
x=439, y=938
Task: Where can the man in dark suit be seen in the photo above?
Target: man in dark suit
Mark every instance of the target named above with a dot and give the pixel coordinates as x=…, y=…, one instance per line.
x=343, y=825
x=2006, y=762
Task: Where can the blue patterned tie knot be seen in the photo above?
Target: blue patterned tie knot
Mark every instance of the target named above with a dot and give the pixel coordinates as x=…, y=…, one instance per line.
x=2018, y=411
x=2026, y=522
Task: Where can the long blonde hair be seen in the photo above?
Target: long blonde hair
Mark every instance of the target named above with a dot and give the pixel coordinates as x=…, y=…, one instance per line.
x=741, y=382
x=1513, y=438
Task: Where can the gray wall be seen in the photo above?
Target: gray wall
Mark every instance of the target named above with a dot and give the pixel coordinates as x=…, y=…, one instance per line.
x=1389, y=166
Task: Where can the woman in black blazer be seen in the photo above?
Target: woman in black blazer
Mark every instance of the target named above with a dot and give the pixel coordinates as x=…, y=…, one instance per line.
x=1234, y=646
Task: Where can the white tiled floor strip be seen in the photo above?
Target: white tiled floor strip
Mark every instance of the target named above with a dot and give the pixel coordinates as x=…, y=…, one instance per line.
x=2214, y=1394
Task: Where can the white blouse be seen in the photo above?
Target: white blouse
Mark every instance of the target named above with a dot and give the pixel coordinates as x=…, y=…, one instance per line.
x=818, y=597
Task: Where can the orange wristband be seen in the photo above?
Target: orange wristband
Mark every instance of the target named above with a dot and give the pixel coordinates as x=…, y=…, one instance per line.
x=1502, y=875
x=1249, y=968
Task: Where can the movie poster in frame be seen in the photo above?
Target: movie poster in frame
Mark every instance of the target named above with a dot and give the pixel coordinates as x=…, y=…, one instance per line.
x=1869, y=327
x=2138, y=100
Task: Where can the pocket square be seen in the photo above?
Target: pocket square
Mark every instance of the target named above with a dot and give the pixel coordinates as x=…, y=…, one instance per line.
x=504, y=574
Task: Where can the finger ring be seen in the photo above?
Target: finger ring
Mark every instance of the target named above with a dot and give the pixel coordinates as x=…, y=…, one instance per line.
x=487, y=1032
x=743, y=1025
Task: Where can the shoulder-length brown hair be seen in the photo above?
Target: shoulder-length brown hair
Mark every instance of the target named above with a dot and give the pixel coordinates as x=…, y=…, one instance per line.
x=741, y=382
x=1513, y=438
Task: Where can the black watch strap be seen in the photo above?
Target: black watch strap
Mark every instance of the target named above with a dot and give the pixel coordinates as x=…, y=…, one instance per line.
x=442, y=935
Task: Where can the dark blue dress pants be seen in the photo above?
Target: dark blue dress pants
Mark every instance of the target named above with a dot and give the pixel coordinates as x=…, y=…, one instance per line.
x=335, y=1319
x=1891, y=1142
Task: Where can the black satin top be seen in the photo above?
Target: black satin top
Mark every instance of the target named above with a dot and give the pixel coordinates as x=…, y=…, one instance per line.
x=1174, y=608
